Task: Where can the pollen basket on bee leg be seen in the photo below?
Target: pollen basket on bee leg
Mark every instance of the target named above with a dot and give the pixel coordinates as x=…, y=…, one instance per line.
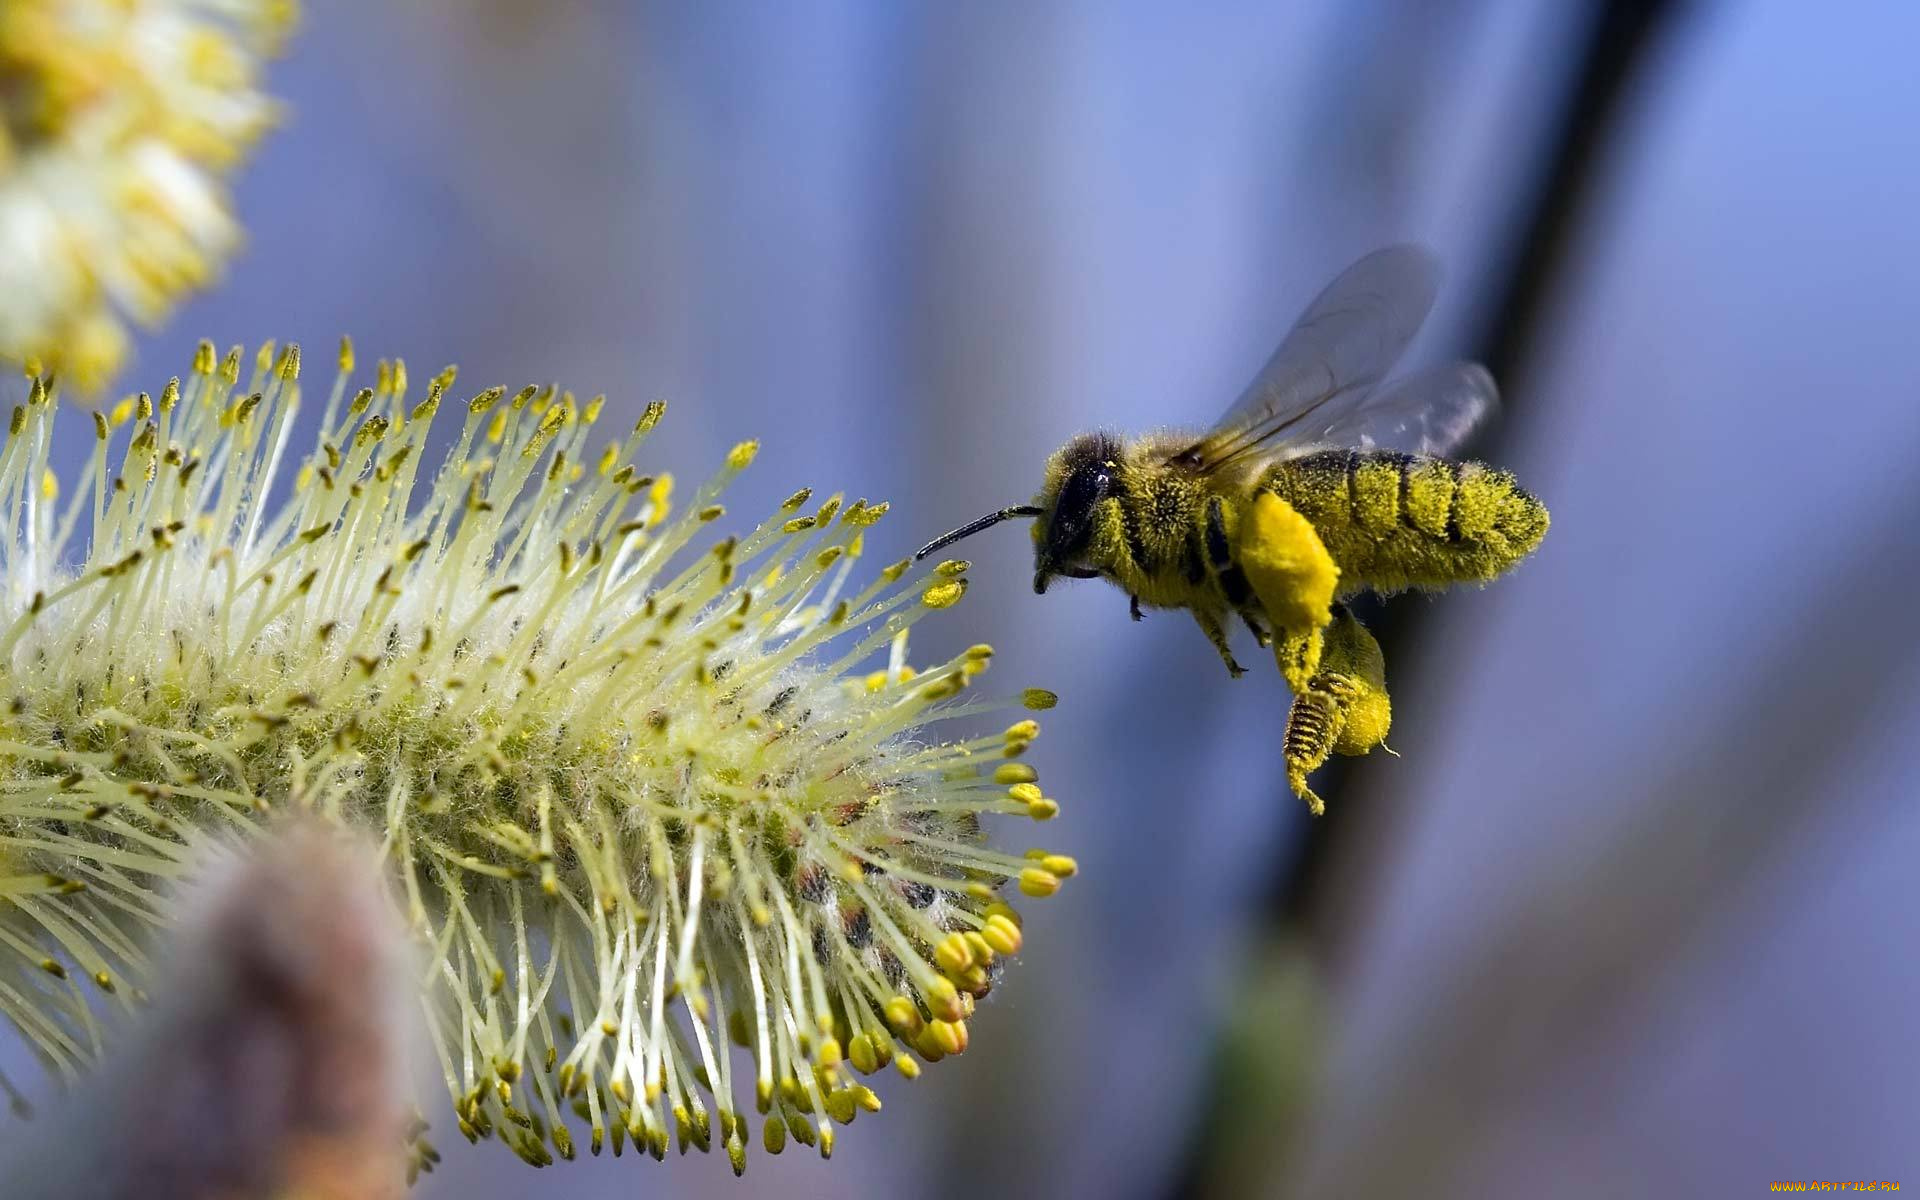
x=1287, y=565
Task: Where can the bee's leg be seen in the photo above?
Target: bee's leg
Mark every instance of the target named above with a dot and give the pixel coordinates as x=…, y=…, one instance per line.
x=1343, y=707
x=1260, y=632
x=1228, y=575
x=1133, y=605
x=1313, y=725
x=1216, y=631
x=1298, y=656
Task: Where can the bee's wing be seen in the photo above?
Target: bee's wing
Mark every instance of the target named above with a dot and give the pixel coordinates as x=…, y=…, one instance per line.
x=1428, y=412
x=1339, y=349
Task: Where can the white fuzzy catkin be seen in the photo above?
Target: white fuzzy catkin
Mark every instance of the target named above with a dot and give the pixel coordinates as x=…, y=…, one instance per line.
x=633, y=803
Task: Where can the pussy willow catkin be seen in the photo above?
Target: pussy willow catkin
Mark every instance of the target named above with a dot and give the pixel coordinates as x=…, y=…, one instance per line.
x=641, y=794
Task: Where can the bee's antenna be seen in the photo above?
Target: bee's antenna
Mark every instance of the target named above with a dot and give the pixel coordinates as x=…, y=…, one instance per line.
x=973, y=527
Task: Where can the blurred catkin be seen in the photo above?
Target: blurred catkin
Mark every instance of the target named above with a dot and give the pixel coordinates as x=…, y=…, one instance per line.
x=274, y=1066
x=120, y=122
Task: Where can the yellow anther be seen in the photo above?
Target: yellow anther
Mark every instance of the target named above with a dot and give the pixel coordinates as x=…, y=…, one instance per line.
x=982, y=949
x=840, y=1105
x=1000, y=908
x=952, y=1035
x=862, y=1053
x=1012, y=773
x=1038, y=699
x=659, y=500
x=1039, y=882
x=902, y=1016
x=944, y=594
x=941, y=690
x=1002, y=934
x=929, y=1045
x=943, y=999
x=953, y=955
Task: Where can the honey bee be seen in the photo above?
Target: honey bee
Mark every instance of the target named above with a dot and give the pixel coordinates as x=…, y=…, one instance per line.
x=1320, y=483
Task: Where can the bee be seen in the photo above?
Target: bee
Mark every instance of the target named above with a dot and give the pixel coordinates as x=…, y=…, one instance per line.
x=1322, y=482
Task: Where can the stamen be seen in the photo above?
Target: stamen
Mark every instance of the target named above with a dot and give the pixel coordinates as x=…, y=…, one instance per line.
x=642, y=786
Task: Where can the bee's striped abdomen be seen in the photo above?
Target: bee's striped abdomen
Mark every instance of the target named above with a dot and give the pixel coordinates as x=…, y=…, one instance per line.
x=1393, y=521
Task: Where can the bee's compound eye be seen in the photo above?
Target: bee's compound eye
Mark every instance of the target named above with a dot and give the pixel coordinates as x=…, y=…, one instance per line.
x=1072, y=522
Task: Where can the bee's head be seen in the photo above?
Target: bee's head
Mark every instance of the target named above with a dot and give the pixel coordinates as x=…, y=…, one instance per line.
x=1080, y=476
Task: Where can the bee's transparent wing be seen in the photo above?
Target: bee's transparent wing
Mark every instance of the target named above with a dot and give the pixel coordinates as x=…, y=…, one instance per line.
x=1339, y=349
x=1428, y=412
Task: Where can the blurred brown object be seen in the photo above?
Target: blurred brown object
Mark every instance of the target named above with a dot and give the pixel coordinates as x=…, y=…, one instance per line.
x=273, y=1062
x=1266, y=1072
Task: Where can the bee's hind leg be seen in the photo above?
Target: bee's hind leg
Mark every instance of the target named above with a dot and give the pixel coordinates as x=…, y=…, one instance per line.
x=1133, y=606
x=1216, y=632
x=1343, y=708
x=1313, y=726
